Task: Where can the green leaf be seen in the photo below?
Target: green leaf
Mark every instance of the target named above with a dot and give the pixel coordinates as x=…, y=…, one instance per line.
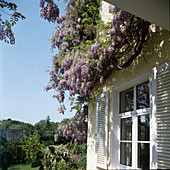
x=36, y=163
x=52, y=149
x=40, y=155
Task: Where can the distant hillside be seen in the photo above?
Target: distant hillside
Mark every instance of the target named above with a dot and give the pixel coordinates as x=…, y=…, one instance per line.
x=14, y=124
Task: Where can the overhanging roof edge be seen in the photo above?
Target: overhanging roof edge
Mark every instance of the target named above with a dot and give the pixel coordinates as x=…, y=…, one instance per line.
x=154, y=11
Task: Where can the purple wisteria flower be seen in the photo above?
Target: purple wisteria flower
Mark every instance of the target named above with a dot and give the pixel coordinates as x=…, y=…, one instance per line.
x=95, y=48
x=101, y=80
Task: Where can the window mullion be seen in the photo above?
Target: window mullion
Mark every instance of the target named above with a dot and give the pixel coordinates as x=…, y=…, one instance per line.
x=135, y=133
x=135, y=99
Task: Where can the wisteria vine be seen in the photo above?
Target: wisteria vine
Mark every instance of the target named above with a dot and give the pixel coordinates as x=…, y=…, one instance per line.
x=84, y=57
x=90, y=50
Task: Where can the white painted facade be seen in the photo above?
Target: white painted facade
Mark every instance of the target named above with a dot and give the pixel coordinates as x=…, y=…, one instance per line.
x=153, y=65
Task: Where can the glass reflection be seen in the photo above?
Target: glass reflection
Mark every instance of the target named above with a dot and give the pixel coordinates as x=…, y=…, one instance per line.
x=143, y=128
x=143, y=155
x=126, y=153
x=126, y=129
x=143, y=96
x=126, y=101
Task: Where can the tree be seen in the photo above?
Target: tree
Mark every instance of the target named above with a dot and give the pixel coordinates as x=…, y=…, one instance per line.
x=48, y=124
x=10, y=10
x=14, y=124
x=40, y=126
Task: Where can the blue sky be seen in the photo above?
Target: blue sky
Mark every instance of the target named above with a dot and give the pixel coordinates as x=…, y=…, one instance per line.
x=23, y=69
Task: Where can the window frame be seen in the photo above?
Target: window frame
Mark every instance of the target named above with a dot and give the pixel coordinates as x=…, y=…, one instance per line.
x=134, y=115
x=115, y=127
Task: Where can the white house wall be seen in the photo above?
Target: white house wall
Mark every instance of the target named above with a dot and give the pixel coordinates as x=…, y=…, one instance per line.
x=155, y=52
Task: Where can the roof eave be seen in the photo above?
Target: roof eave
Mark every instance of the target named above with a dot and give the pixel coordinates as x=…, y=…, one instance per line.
x=154, y=11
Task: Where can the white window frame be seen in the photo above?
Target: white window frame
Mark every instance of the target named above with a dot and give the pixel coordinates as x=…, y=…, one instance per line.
x=115, y=128
x=134, y=115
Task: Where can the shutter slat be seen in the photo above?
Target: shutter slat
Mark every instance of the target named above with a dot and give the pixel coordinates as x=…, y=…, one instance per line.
x=163, y=71
x=166, y=145
x=162, y=166
x=162, y=128
x=164, y=112
x=164, y=162
x=163, y=89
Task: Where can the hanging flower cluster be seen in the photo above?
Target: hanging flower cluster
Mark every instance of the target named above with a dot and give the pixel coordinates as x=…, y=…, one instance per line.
x=75, y=32
x=49, y=10
x=89, y=49
x=76, y=128
x=6, y=23
x=6, y=34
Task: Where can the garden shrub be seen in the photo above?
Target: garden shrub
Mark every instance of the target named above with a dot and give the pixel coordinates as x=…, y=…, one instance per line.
x=11, y=152
x=79, y=154
x=82, y=162
x=82, y=149
x=2, y=141
x=62, y=165
x=47, y=137
x=33, y=146
x=57, y=157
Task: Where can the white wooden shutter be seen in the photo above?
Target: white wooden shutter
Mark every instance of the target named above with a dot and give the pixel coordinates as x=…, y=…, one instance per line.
x=101, y=130
x=162, y=110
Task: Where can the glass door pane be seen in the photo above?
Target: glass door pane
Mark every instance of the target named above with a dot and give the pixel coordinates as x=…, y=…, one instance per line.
x=143, y=155
x=126, y=153
x=126, y=101
x=126, y=129
x=143, y=136
x=143, y=128
x=143, y=96
x=126, y=142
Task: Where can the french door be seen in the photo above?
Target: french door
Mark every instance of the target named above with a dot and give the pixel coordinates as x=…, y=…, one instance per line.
x=134, y=121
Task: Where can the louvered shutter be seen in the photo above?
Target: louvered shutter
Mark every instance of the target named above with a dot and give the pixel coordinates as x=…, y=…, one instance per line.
x=162, y=110
x=101, y=130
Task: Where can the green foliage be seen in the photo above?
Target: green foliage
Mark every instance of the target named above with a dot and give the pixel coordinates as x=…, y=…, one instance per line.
x=2, y=141
x=64, y=121
x=43, y=124
x=83, y=162
x=47, y=137
x=32, y=146
x=79, y=154
x=81, y=149
x=46, y=130
x=14, y=124
x=57, y=157
x=11, y=152
x=62, y=165
x=40, y=126
x=48, y=124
